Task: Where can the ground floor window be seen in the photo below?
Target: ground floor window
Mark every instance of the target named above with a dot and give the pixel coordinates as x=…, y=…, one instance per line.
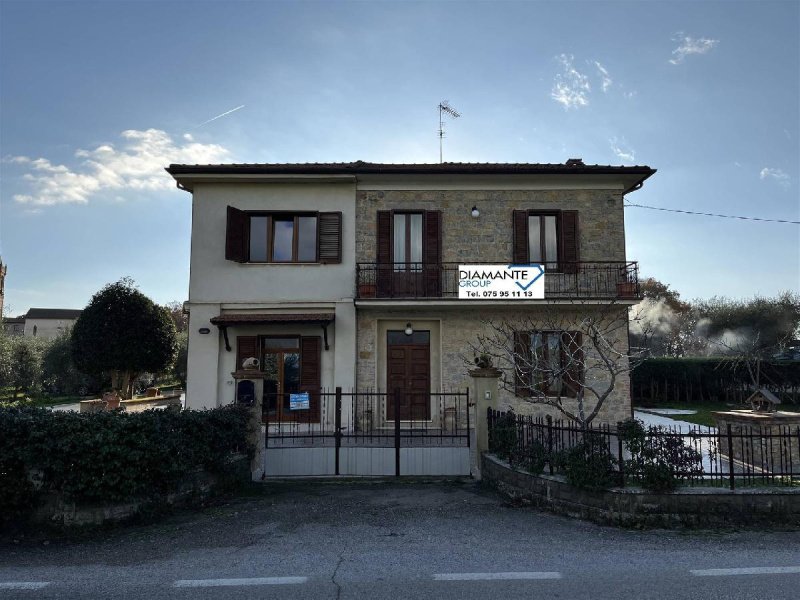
x=548, y=362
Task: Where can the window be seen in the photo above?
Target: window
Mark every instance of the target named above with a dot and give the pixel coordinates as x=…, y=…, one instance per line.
x=283, y=237
x=550, y=238
x=548, y=362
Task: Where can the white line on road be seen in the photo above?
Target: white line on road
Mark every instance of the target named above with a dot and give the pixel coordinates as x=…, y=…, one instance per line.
x=745, y=571
x=193, y=583
x=23, y=585
x=492, y=576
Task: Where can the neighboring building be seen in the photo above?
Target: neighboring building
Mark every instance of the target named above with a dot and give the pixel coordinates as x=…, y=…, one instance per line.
x=3, y=270
x=49, y=323
x=329, y=265
x=14, y=325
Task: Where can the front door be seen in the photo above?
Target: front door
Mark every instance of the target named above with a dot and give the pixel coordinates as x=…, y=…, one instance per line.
x=408, y=372
x=281, y=366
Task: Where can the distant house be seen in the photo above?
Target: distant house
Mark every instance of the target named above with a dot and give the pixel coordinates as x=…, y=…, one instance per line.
x=14, y=325
x=49, y=323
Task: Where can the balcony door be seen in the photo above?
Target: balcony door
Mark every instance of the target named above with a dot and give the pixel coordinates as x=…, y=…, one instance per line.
x=407, y=254
x=408, y=372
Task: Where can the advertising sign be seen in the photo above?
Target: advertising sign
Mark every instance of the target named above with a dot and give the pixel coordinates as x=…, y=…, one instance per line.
x=503, y=282
x=299, y=401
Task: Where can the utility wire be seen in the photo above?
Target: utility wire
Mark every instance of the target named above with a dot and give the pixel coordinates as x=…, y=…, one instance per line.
x=691, y=212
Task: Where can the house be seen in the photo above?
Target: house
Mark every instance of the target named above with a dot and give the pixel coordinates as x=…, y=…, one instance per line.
x=348, y=274
x=14, y=325
x=49, y=323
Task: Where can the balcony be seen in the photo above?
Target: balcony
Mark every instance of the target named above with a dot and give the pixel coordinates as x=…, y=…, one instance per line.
x=570, y=281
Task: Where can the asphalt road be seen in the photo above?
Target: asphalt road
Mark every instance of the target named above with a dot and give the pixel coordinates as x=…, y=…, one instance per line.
x=397, y=540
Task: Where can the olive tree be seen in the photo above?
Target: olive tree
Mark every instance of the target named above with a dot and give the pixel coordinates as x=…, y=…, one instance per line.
x=123, y=333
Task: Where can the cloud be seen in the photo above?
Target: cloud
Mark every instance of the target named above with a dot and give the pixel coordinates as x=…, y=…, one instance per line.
x=137, y=166
x=776, y=175
x=604, y=77
x=571, y=88
x=622, y=150
x=689, y=45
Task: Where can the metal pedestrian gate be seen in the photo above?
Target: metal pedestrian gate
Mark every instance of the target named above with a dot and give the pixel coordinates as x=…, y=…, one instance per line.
x=372, y=433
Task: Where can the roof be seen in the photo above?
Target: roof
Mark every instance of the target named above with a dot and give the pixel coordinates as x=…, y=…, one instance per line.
x=53, y=313
x=359, y=167
x=261, y=318
x=13, y=320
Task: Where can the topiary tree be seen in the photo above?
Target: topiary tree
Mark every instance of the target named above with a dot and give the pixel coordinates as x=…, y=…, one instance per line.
x=122, y=332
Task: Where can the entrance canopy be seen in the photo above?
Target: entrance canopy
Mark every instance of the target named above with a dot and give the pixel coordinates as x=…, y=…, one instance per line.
x=226, y=320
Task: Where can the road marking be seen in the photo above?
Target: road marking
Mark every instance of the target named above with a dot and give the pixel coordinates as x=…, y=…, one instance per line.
x=193, y=583
x=744, y=571
x=492, y=576
x=23, y=585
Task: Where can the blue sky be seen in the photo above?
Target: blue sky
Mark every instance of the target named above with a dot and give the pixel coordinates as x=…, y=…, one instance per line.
x=98, y=97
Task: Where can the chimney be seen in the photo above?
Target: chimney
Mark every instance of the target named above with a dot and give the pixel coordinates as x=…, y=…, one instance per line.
x=575, y=162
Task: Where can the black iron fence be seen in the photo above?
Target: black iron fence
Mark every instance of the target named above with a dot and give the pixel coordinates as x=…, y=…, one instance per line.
x=441, y=280
x=368, y=419
x=701, y=456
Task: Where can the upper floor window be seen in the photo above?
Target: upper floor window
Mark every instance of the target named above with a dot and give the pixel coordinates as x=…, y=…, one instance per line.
x=546, y=237
x=283, y=237
x=407, y=246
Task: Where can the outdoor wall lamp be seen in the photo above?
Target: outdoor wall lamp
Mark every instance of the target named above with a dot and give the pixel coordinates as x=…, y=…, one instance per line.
x=409, y=330
x=204, y=330
x=475, y=212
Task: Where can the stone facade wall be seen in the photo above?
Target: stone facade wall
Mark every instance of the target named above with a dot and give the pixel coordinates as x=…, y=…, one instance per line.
x=488, y=237
x=461, y=327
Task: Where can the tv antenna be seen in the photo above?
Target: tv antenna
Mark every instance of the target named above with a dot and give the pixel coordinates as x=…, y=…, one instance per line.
x=444, y=107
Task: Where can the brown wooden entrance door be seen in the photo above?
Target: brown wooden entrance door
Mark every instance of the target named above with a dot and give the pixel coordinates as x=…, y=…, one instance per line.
x=408, y=369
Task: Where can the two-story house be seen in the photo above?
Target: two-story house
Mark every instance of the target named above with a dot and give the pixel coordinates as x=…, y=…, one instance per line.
x=347, y=274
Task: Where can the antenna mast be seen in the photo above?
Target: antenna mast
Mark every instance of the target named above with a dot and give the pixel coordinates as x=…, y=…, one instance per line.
x=444, y=107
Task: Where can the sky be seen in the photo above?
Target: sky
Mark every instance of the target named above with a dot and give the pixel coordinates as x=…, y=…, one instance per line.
x=97, y=98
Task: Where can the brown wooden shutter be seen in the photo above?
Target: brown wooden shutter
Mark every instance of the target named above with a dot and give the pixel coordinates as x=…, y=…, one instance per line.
x=568, y=229
x=520, y=254
x=236, y=235
x=329, y=237
x=522, y=361
x=383, y=274
x=572, y=349
x=311, y=371
x=432, y=253
x=246, y=347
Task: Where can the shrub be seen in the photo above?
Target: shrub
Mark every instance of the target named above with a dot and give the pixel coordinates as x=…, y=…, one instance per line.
x=660, y=460
x=503, y=435
x=110, y=456
x=589, y=464
x=531, y=458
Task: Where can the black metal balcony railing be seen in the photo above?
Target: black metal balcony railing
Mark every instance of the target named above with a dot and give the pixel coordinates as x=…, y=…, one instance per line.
x=586, y=280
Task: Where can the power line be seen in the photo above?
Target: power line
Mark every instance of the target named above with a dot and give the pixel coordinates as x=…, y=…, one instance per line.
x=691, y=212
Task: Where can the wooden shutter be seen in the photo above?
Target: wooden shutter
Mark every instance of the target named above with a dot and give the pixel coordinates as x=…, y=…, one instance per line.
x=329, y=237
x=568, y=230
x=246, y=347
x=522, y=361
x=519, y=251
x=311, y=372
x=383, y=266
x=432, y=252
x=236, y=235
x=572, y=350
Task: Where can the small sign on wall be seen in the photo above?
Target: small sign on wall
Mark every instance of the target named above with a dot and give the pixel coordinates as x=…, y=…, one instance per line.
x=506, y=282
x=299, y=401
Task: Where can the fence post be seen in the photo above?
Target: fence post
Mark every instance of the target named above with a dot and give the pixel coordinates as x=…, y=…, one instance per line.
x=730, y=458
x=484, y=390
x=550, y=442
x=337, y=424
x=397, y=432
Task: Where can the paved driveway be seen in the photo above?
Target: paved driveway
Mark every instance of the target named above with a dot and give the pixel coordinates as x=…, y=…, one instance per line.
x=397, y=540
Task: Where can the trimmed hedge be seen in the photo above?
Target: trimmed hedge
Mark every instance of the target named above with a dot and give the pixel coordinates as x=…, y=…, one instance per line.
x=698, y=380
x=110, y=456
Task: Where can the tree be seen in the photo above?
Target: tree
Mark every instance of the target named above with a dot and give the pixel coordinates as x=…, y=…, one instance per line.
x=181, y=359
x=122, y=332
x=26, y=363
x=178, y=316
x=59, y=373
x=572, y=361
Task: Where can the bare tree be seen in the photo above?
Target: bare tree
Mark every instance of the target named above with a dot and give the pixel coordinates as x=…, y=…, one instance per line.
x=571, y=360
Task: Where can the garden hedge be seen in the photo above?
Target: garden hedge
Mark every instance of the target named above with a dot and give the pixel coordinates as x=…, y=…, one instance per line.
x=110, y=456
x=699, y=380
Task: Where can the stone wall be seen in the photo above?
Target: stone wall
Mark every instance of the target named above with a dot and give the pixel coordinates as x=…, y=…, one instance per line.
x=636, y=508
x=488, y=238
x=460, y=327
